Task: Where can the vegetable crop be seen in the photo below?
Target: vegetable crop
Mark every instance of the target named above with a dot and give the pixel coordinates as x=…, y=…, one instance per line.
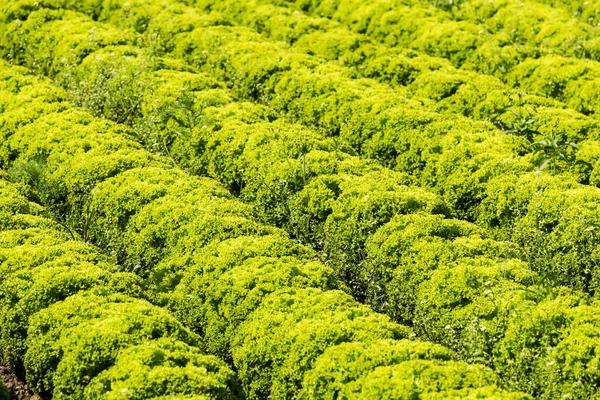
x=299, y=200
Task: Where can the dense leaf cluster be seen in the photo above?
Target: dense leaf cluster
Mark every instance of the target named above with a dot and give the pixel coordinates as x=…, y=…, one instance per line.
x=271, y=165
x=189, y=258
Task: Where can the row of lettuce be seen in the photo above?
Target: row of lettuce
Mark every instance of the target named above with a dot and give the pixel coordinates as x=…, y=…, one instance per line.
x=460, y=91
x=78, y=328
x=300, y=179
x=76, y=325
x=261, y=71
x=472, y=296
x=528, y=45
x=456, y=91
x=579, y=250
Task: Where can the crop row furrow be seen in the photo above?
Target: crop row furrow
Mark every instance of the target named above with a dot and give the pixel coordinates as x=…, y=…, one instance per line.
x=258, y=299
x=458, y=91
x=251, y=66
x=76, y=326
x=477, y=169
x=468, y=255
x=530, y=46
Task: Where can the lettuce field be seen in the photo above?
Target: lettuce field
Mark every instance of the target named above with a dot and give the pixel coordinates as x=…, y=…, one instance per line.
x=299, y=199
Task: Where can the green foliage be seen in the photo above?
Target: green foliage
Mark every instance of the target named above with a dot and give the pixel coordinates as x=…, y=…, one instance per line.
x=280, y=342
x=16, y=211
x=200, y=284
x=224, y=299
x=27, y=292
x=405, y=251
x=71, y=342
x=551, y=148
x=281, y=125
x=554, y=148
x=89, y=329
x=118, y=199
x=338, y=367
x=471, y=314
x=558, y=236
x=112, y=90
x=418, y=378
x=531, y=341
x=370, y=202
x=63, y=320
x=552, y=222
x=164, y=367
x=522, y=124
x=4, y=393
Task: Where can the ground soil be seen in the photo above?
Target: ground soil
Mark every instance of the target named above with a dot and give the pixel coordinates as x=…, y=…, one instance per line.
x=17, y=389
